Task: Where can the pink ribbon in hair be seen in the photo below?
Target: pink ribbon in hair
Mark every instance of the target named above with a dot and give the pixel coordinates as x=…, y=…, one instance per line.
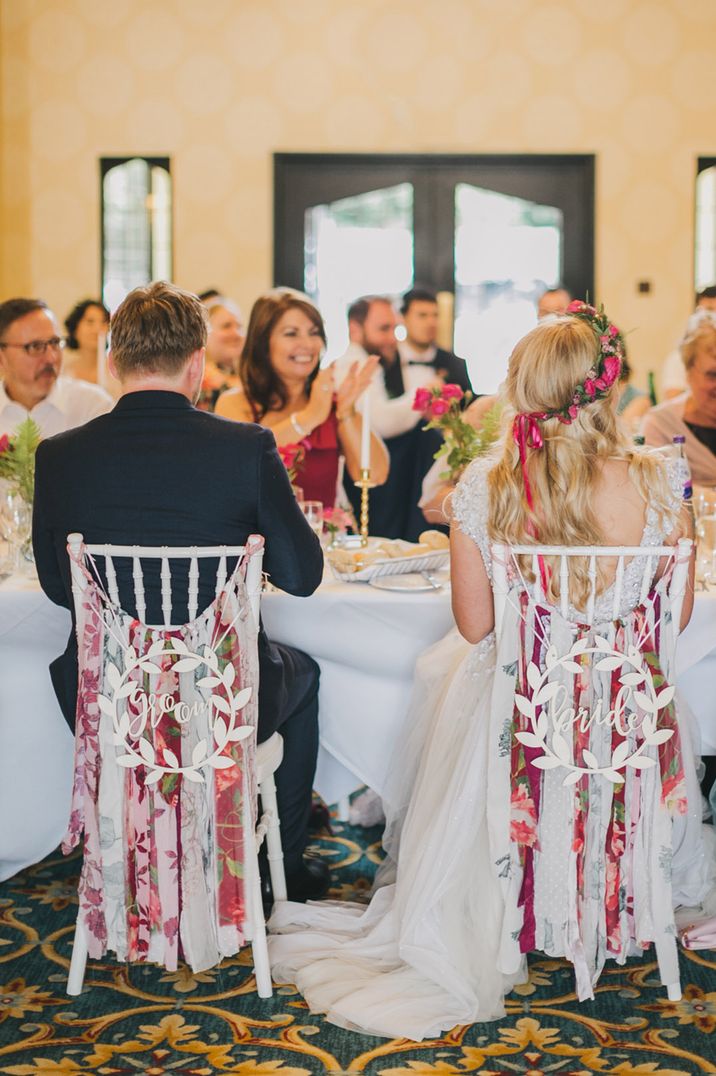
x=527, y=434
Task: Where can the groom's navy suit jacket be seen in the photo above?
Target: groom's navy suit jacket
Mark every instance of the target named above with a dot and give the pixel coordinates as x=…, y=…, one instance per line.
x=155, y=471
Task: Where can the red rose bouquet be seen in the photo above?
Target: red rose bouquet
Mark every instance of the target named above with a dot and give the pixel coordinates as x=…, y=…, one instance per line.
x=462, y=442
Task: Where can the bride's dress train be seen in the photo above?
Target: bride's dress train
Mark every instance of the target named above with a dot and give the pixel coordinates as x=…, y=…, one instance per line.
x=422, y=956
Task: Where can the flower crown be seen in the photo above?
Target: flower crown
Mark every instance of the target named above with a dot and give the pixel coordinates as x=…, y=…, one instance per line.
x=605, y=371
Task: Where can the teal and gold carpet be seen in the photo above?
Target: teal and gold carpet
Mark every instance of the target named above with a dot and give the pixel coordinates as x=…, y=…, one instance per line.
x=137, y=1019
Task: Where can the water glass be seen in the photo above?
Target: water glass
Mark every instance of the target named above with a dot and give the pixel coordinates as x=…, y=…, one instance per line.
x=313, y=511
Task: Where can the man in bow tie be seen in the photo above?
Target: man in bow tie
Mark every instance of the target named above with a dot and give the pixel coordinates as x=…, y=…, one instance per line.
x=420, y=318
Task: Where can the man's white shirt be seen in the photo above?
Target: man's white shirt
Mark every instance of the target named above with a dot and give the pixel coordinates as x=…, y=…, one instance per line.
x=69, y=403
x=388, y=417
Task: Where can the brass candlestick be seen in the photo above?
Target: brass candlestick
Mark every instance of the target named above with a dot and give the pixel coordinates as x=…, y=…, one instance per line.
x=364, y=484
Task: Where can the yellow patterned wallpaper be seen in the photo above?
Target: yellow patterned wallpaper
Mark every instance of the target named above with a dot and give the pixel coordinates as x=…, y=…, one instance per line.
x=219, y=85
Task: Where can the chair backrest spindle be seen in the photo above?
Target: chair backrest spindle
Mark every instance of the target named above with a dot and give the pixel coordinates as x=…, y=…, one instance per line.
x=193, y=586
x=138, y=579
x=618, y=584
x=166, y=577
x=111, y=574
x=539, y=593
x=220, y=575
x=592, y=576
x=646, y=579
x=564, y=586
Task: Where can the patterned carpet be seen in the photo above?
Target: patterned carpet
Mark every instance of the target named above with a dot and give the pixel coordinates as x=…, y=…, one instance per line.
x=143, y=1019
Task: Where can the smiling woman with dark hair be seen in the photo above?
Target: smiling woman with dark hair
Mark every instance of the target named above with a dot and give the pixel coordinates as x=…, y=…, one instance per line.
x=283, y=388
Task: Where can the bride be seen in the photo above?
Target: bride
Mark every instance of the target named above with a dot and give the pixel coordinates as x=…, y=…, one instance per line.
x=437, y=944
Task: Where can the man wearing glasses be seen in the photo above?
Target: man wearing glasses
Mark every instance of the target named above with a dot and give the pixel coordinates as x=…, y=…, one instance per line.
x=30, y=380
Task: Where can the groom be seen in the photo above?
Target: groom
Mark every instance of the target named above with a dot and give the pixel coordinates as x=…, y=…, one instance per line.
x=155, y=471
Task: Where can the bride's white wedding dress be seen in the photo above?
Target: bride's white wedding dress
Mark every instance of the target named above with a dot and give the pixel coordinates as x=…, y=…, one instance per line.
x=435, y=947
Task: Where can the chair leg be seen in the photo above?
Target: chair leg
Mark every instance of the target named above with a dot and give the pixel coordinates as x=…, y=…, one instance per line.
x=78, y=962
x=667, y=956
x=274, y=851
x=262, y=967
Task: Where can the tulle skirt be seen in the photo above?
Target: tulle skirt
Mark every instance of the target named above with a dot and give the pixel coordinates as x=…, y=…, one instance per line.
x=423, y=955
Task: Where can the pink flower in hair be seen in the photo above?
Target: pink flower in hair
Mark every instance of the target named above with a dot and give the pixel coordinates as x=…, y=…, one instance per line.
x=439, y=407
x=611, y=368
x=589, y=387
x=573, y=411
x=600, y=384
x=422, y=399
x=451, y=392
x=613, y=331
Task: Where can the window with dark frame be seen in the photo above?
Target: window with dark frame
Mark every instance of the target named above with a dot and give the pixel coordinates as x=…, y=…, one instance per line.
x=136, y=217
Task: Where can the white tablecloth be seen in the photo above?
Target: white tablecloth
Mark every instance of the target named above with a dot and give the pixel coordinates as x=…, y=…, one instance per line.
x=36, y=745
x=366, y=642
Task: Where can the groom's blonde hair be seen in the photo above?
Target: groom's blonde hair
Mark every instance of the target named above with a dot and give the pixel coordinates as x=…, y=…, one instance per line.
x=544, y=369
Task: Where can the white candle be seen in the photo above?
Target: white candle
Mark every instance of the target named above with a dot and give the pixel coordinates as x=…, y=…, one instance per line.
x=102, y=360
x=365, y=433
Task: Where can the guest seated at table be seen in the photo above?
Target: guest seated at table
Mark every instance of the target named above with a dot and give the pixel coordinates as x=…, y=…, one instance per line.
x=419, y=310
x=693, y=414
x=157, y=471
x=30, y=364
x=85, y=323
x=283, y=388
x=481, y=863
x=223, y=349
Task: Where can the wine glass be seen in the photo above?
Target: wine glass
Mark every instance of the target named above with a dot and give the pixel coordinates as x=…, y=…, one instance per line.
x=313, y=511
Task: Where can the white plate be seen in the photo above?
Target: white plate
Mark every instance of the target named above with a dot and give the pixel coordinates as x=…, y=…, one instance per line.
x=407, y=581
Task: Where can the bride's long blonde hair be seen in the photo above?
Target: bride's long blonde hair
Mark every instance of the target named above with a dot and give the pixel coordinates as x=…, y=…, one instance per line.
x=545, y=367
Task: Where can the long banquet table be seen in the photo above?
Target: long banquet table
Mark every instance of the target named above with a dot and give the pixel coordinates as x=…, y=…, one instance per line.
x=366, y=642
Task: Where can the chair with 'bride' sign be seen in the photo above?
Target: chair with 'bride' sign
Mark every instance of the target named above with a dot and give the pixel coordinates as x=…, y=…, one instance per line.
x=588, y=776
x=166, y=764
